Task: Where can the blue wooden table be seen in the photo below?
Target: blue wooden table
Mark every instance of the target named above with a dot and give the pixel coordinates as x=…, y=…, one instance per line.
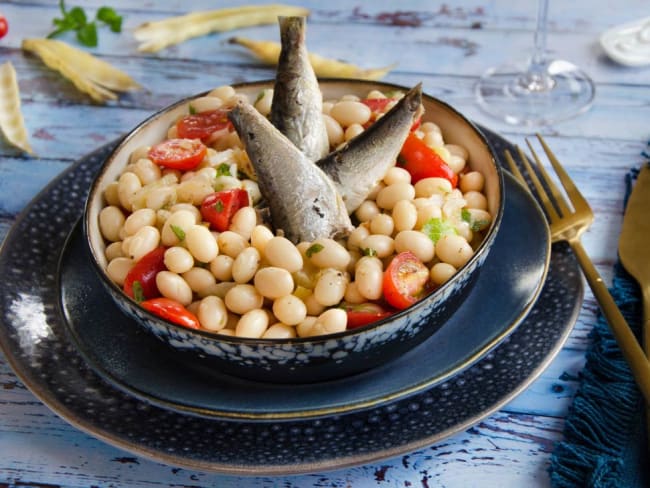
x=444, y=44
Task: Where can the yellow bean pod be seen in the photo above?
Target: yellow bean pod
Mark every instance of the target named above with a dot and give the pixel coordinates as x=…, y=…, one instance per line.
x=269, y=52
x=158, y=35
x=93, y=76
x=12, y=123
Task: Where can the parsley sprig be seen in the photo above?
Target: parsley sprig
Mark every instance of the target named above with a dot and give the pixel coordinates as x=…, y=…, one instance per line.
x=76, y=20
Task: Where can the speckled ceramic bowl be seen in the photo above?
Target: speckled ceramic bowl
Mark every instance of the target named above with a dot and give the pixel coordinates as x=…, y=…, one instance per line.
x=304, y=360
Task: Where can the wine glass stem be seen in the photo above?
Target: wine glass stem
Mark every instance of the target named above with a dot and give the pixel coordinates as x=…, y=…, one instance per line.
x=537, y=78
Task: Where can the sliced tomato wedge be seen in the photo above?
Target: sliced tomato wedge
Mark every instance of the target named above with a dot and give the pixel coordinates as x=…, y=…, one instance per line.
x=423, y=162
x=405, y=280
x=377, y=104
x=171, y=310
x=183, y=154
x=218, y=208
x=364, y=313
x=203, y=124
x=140, y=282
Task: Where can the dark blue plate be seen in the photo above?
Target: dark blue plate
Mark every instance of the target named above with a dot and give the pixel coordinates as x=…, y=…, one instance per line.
x=136, y=362
x=37, y=344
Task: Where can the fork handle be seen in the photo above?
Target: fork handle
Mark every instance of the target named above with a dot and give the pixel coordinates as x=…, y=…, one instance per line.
x=628, y=343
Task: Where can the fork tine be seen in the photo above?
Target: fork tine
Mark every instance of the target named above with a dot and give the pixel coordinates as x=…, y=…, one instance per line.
x=551, y=212
x=514, y=169
x=578, y=201
x=557, y=196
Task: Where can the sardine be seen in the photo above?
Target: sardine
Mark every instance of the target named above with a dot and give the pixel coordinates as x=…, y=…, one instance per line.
x=297, y=106
x=358, y=166
x=302, y=200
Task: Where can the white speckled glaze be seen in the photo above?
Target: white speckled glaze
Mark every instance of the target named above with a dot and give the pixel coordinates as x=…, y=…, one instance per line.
x=320, y=358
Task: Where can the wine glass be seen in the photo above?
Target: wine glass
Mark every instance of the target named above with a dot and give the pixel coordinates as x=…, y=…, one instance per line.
x=540, y=91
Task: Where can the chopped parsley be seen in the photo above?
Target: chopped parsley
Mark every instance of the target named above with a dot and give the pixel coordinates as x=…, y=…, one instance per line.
x=466, y=215
x=180, y=233
x=260, y=95
x=313, y=249
x=369, y=251
x=224, y=170
x=436, y=227
x=218, y=206
x=191, y=109
x=138, y=292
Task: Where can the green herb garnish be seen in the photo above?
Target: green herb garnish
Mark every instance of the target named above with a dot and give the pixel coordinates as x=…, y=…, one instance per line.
x=260, y=95
x=138, y=292
x=223, y=170
x=218, y=206
x=180, y=233
x=466, y=215
x=313, y=249
x=76, y=20
x=191, y=109
x=475, y=225
x=436, y=227
x=369, y=251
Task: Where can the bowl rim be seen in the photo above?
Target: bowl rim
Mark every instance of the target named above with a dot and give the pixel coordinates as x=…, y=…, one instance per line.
x=262, y=342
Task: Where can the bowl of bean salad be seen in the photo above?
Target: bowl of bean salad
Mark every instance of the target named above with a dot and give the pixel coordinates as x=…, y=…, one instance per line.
x=177, y=223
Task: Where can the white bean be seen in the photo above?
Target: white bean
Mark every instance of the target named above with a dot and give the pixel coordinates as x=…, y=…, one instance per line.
x=454, y=249
x=369, y=276
x=253, y=189
x=396, y=174
x=173, y=286
x=471, y=181
x=147, y=171
x=352, y=294
x=143, y=242
x=382, y=224
x=357, y=236
x=245, y=265
x=114, y=250
x=350, y=112
x=405, y=215
x=353, y=131
x=178, y=259
x=457, y=150
x=383, y=246
x=111, y=221
x=426, y=213
x=335, y=132
x=190, y=208
x=200, y=280
x=328, y=254
x=273, y=282
x=330, y=287
x=433, y=139
x=263, y=102
x=441, y=272
x=138, y=219
x=118, y=268
x=244, y=221
x=225, y=92
x=430, y=127
x=201, y=243
x=432, y=186
x=304, y=328
x=313, y=307
x=280, y=251
x=289, y=309
x=456, y=163
x=366, y=211
x=389, y=196
x=128, y=186
x=243, y=298
x=231, y=243
x=176, y=225
x=480, y=219
x=279, y=331
x=110, y=194
x=159, y=197
x=331, y=321
x=475, y=199
x=212, y=313
x=416, y=242
x=194, y=190
x=221, y=267
x=260, y=235
x=139, y=153
x=252, y=324
x=205, y=104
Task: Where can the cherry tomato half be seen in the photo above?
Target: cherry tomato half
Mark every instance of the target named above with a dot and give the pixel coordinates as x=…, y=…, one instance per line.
x=143, y=275
x=423, y=162
x=218, y=208
x=183, y=154
x=203, y=124
x=171, y=310
x=377, y=104
x=405, y=280
x=364, y=313
x=4, y=26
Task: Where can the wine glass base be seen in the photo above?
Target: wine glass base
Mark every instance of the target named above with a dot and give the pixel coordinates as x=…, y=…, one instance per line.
x=558, y=92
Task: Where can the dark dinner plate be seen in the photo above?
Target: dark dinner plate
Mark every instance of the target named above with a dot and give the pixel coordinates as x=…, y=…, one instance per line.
x=136, y=362
x=39, y=347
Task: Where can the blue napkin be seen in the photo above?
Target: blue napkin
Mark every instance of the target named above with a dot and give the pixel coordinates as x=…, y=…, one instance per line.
x=605, y=442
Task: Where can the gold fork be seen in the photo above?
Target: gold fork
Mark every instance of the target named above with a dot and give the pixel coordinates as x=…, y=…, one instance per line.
x=568, y=224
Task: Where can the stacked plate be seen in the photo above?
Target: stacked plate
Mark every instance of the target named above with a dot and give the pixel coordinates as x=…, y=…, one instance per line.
x=85, y=360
